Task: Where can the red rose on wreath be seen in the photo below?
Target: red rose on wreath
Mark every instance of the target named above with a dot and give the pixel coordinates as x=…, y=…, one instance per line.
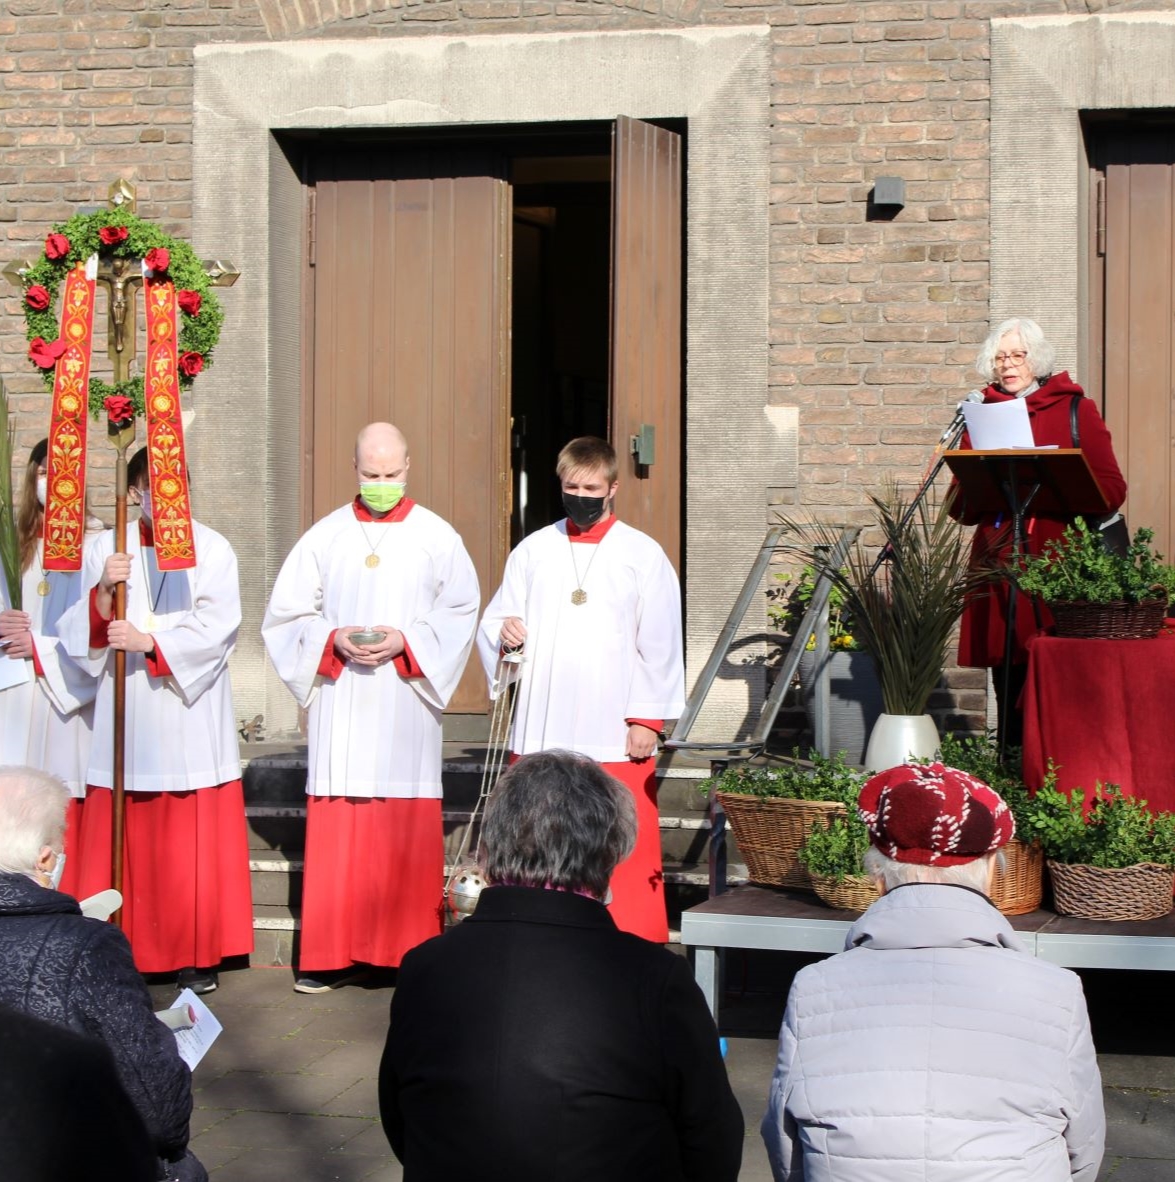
x=56, y=246
x=190, y=302
x=113, y=235
x=37, y=297
x=118, y=408
x=191, y=363
x=45, y=353
x=158, y=259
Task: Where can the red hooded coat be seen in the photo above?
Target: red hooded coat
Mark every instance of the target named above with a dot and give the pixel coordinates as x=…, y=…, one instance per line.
x=981, y=638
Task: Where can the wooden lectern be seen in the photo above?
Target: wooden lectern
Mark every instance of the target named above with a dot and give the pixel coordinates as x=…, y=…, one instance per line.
x=1055, y=480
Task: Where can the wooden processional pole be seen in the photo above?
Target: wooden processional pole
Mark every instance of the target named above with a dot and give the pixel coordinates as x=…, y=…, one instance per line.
x=120, y=280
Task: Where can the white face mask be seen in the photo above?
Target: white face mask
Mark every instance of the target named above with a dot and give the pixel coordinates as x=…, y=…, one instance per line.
x=42, y=489
x=57, y=871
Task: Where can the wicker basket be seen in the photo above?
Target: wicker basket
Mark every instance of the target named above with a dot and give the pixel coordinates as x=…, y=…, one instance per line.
x=854, y=892
x=1091, y=892
x=1110, y=621
x=1016, y=889
x=770, y=831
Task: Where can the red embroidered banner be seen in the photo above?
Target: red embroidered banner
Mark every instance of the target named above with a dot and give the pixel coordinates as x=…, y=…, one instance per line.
x=171, y=510
x=65, y=497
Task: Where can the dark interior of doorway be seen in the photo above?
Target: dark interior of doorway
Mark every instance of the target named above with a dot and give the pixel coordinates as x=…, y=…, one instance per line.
x=559, y=362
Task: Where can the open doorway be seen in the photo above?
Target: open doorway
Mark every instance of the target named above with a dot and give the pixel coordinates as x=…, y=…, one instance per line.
x=559, y=352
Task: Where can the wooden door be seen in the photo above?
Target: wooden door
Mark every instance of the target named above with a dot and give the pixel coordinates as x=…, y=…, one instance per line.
x=410, y=283
x=646, y=345
x=1132, y=251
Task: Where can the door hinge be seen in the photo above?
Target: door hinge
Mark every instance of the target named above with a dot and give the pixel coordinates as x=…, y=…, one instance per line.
x=311, y=224
x=1100, y=215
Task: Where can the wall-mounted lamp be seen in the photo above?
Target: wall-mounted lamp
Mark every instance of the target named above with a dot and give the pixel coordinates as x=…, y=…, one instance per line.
x=888, y=197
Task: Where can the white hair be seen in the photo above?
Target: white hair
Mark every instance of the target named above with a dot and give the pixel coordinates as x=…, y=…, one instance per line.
x=892, y=873
x=1041, y=355
x=32, y=816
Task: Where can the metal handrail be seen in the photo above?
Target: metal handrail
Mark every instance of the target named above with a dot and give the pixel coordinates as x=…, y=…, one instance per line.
x=814, y=623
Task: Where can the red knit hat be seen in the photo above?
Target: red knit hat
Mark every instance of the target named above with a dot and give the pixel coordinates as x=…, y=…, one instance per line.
x=933, y=815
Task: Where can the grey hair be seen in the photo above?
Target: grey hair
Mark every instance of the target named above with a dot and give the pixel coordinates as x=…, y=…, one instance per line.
x=892, y=873
x=32, y=816
x=1041, y=355
x=557, y=819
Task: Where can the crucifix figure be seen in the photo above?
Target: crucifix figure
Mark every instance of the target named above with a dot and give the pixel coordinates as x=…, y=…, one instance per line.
x=120, y=277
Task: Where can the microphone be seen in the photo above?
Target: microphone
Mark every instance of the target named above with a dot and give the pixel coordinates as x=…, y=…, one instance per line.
x=956, y=424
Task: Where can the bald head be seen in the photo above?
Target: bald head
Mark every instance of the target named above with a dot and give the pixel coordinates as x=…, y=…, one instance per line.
x=381, y=465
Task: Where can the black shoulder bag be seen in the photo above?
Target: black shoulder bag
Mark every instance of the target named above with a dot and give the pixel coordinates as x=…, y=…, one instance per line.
x=1112, y=526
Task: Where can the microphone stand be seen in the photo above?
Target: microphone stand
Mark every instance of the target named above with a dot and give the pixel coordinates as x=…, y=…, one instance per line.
x=949, y=440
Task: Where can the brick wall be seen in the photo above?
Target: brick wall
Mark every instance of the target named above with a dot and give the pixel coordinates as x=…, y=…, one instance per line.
x=874, y=324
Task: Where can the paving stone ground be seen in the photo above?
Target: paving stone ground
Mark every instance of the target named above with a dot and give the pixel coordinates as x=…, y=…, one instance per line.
x=289, y=1089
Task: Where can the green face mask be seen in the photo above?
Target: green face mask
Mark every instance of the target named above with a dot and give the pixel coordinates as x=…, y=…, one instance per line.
x=380, y=496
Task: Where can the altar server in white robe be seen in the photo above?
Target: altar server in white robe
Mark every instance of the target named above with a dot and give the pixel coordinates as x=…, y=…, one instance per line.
x=596, y=607
x=188, y=903
x=46, y=707
x=382, y=564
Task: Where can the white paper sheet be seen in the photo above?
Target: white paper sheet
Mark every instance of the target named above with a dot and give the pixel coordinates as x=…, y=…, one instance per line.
x=195, y=1039
x=996, y=425
x=12, y=672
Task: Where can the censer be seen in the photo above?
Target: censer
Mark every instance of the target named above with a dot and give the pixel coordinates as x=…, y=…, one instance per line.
x=465, y=883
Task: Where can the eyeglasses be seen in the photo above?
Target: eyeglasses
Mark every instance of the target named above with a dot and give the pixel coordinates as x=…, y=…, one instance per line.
x=1017, y=358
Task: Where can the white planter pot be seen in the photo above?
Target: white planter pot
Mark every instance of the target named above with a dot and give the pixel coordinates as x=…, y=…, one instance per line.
x=898, y=738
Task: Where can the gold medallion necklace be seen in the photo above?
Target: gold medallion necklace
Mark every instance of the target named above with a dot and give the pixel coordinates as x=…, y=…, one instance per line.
x=43, y=585
x=579, y=595
x=372, y=560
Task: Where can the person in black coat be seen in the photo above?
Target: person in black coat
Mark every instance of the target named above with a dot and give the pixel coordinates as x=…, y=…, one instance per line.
x=63, y=1112
x=535, y=1041
x=57, y=965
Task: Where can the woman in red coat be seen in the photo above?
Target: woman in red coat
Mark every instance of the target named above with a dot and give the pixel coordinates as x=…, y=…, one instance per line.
x=1017, y=362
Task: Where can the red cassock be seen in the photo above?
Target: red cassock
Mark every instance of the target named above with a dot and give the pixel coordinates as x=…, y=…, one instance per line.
x=981, y=637
x=186, y=896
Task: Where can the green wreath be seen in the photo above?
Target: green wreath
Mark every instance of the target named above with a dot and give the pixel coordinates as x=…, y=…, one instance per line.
x=74, y=241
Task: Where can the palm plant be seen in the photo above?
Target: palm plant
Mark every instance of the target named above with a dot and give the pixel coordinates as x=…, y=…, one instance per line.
x=906, y=606
x=9, y=542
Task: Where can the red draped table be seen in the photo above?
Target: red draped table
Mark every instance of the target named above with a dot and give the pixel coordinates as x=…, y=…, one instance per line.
x=1101, y=710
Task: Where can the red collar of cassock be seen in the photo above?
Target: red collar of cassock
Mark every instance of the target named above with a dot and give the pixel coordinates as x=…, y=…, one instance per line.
x=146, y=533
x=594, y=533
x=363, y=513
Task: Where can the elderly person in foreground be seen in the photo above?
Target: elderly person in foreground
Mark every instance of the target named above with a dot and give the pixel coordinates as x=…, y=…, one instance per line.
x=1016, y=361
x=57, y=965
x=934, y=1047
x=535, y=1041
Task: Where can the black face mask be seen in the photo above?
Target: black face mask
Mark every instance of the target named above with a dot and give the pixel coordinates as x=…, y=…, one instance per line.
x=584, y=511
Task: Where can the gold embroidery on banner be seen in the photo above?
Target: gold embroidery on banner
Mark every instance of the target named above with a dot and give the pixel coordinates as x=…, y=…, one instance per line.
x=65, y=514
x=171, y=504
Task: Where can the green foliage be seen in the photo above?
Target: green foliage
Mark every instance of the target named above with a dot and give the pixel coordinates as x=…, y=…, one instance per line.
x=787, y=604
x=9, y=538
x=197, y=334
x=979, y=756
x=836, y=848
x=821, y=779
x=1120, y=830
x=1078, y=568
x=904, y=610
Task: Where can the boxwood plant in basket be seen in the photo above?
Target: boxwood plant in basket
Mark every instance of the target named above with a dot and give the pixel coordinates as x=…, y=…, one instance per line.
x=771, y=809
x=1116, y=863
x=833, y=853
x=1093, y=592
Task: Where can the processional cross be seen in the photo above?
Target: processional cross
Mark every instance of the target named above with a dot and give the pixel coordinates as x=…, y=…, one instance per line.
x=122, y=278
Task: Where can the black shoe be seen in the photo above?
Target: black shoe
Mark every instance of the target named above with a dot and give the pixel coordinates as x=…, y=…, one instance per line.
x=334, y=979
x=197, y=980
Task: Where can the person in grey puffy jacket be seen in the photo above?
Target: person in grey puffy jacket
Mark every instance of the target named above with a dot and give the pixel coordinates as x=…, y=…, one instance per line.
x=78, y=973
x=934, y=1047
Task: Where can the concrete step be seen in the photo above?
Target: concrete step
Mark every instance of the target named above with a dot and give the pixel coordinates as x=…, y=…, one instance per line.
x=277, y=914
